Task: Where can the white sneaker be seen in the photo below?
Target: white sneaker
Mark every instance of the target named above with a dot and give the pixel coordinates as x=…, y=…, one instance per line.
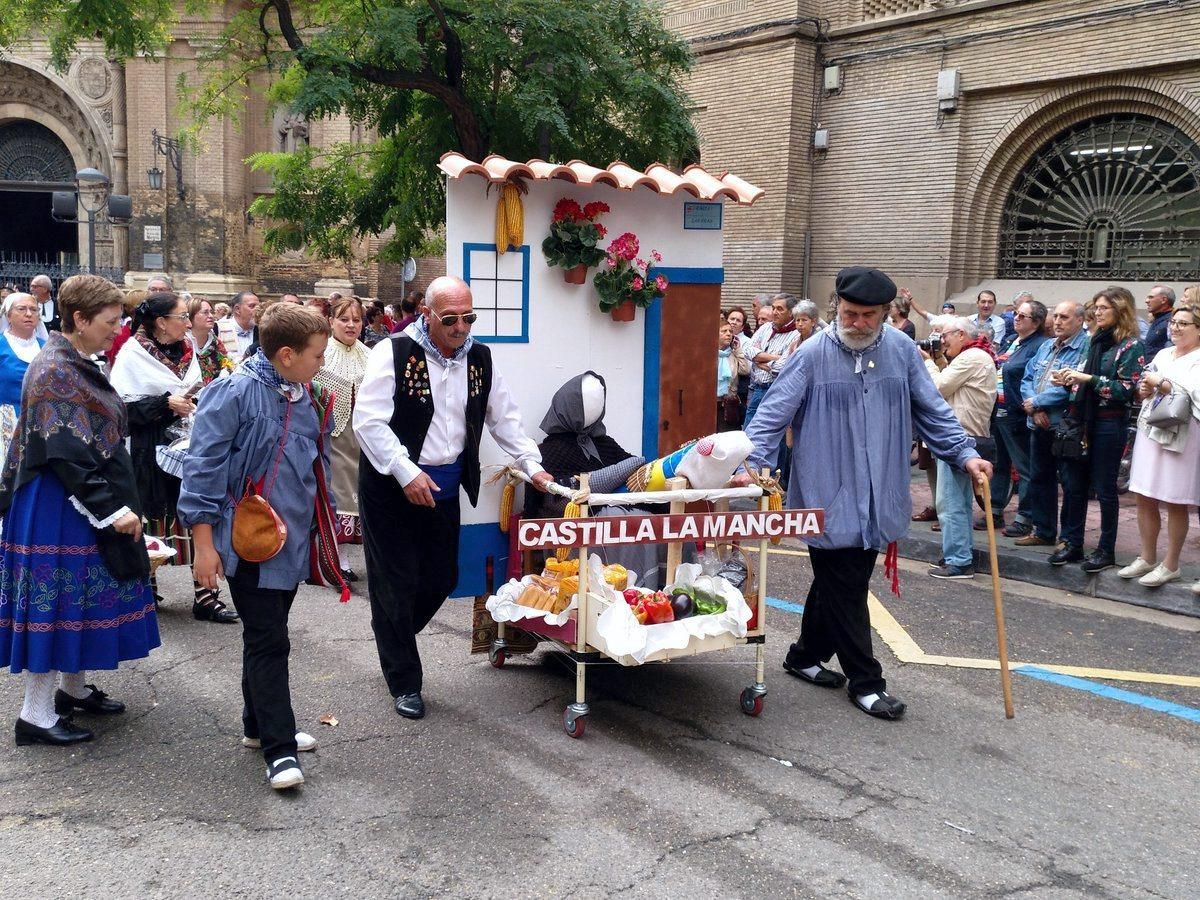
x=1196, y=587
x=1137, y=569
x=1160, y=576
x=305, y=742
x=285, y=773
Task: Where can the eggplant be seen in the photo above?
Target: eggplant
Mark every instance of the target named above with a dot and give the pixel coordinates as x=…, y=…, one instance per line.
x=682, y=605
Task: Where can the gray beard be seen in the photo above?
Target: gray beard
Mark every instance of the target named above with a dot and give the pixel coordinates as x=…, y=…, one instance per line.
x=855, y=342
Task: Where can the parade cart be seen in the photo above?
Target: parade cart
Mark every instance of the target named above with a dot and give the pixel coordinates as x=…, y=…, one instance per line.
x=543, y=325
x=580, y=633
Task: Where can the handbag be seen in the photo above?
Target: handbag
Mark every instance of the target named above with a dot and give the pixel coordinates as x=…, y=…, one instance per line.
x=1070, y=441
x=1170, y=410
x=258, y=531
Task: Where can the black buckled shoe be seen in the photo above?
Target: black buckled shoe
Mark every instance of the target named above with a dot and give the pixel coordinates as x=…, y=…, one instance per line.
x=349, y=575
x=59, y=734
x=97, y=702
x=825, y=678
x=207, y=607
x=885, y=706
x=411, y=706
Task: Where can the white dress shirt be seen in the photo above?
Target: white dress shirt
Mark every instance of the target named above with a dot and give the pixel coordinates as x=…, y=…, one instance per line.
x=447, y=435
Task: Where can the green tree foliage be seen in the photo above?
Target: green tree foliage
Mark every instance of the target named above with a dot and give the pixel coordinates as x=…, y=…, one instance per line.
x=558, y=79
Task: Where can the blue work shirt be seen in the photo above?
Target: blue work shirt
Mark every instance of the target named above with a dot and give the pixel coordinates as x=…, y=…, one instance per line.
x=239, y=422
x=1013, y=372
x=852, y=435
x=1037, y=386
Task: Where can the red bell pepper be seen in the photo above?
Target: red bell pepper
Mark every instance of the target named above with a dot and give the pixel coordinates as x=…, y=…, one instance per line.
x=658, y=608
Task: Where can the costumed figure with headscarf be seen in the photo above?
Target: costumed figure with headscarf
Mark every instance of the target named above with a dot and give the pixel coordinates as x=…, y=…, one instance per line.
x=577, y=442
x=427, y=396
x=18, y=346
x=74, y=573
x=157, y=374
x=852, y=395
x=342, y=374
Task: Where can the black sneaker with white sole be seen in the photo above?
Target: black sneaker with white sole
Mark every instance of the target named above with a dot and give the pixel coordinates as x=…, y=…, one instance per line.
x=285, y=773
x=952, y=572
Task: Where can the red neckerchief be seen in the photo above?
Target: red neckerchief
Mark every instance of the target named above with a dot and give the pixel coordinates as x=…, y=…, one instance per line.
x=776, y=330
x=982, y=343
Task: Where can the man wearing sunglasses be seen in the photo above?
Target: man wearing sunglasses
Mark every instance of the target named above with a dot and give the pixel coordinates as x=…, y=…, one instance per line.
x=425, y=399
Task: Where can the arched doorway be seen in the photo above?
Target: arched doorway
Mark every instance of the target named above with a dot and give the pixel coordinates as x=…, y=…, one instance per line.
x=33, y=163
x=1113, y=197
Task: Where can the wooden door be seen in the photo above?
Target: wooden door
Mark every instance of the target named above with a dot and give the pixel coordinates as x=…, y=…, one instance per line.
x=687, y=395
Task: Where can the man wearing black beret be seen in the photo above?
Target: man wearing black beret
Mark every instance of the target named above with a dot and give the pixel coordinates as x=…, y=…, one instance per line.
x=852, y=396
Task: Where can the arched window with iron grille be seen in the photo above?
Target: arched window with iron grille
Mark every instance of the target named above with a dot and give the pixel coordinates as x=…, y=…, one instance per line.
x=1115, y=197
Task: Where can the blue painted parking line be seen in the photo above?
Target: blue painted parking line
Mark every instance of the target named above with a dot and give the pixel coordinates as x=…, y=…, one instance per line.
x=785, y=605
x=1188, y=713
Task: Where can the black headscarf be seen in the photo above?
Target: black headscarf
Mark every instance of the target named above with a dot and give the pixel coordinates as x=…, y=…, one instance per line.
x=566, y=415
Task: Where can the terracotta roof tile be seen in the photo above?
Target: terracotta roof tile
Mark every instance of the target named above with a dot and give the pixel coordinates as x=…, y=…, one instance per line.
x=695, y=180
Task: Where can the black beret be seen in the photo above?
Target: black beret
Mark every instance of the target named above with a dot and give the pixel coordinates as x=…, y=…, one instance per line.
x=870, y=287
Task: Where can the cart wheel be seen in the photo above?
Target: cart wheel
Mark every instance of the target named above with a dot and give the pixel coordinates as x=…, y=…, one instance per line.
x=573, y=729
x=752, y=703
x=497, y=658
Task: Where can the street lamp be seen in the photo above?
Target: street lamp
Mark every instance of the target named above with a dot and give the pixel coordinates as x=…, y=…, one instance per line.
x=173, y=151
x=91, y=184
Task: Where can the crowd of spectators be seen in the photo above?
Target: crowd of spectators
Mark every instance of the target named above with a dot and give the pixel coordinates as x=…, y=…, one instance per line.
x=1063, y=401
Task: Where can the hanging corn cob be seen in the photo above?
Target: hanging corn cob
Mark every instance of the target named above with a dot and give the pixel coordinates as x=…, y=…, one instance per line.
x=775, y=503
x=507, y=495
x=510, y=219
x=571, y=512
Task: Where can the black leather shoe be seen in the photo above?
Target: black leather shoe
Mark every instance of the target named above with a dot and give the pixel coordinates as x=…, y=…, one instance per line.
x=207, y=607
x=60, y=733
x=886, y=707
x=411, y=706
x=349, y=575
x=1098, y=561
x=1017, y=529
x=1066, y=553
x=825, y=678
x=96, y=702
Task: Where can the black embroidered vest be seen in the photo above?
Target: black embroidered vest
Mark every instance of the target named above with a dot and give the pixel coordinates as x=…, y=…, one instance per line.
x=413, y=403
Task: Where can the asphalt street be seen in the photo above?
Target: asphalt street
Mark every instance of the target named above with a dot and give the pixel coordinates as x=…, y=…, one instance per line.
x=672, y=792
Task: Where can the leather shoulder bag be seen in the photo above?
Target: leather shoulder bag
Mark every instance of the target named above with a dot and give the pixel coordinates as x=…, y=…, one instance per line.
x=258, y=531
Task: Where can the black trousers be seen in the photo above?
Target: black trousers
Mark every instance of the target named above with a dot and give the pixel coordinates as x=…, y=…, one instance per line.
x=836, y=618
x=267, y=710
x=412, y=565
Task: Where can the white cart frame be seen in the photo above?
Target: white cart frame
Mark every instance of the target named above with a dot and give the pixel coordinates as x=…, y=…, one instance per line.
x=589, y=647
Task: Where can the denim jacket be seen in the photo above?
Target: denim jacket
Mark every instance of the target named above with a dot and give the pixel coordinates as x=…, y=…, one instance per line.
x=1037, y=386
x=236, y=436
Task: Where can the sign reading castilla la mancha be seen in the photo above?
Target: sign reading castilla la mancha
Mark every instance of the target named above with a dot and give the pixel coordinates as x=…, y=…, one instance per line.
x=539, y=534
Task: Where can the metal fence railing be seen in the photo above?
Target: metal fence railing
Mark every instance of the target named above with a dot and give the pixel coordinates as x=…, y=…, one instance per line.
x=19, y=273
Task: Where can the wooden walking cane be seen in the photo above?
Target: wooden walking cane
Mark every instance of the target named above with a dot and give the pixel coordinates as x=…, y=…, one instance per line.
x=1002, y=642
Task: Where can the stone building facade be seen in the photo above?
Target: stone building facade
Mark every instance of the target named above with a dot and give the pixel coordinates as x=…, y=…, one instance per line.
x=103, y=114
x=1062, y=154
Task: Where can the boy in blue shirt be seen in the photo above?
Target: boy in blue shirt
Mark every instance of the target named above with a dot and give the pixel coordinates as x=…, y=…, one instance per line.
x=261, y=425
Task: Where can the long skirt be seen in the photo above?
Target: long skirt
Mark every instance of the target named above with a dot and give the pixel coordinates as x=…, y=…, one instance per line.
x=60, y=608
x=344, y=455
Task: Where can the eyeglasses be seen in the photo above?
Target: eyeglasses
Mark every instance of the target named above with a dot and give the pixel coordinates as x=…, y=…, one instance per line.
x=183, y=317
x=1022, y=316
x=32, y=310
x=452, y=320
x=1179, y=323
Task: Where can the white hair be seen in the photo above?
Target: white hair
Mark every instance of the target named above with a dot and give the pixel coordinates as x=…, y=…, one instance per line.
x=43, y=280
x=963, y=324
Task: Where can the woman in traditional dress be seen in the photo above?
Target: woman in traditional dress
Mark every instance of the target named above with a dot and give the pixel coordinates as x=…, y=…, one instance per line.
x=74, y=587
x=214, y=361
x=18, y=347
x=1165, y=470
x=157, y=375
x=342, y=374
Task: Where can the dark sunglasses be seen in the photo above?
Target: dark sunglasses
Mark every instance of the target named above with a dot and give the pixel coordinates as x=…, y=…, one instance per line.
x=452, y=320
